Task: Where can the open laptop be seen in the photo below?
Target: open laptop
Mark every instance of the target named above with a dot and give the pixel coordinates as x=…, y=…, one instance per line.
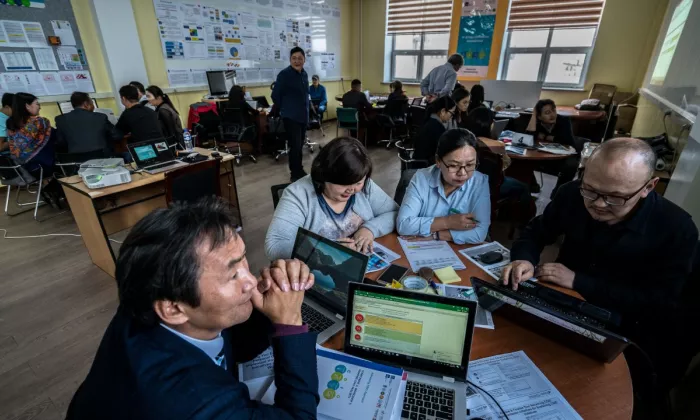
x=571, y=321
x=497, y=128
x=262, y=101
x=154, y=156
x=430, y=336
x=334, y=267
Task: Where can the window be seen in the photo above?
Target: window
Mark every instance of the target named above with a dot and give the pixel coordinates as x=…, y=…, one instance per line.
x=418, y=35
x=550, y=41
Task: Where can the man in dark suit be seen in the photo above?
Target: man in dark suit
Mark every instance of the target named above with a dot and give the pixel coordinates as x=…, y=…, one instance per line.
x=184, y=322
x=355, y=98
x=137, y=120
x=82, y=130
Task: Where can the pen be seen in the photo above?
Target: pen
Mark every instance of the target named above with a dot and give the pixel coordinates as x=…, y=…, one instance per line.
x=455, y=211
x=434, y=287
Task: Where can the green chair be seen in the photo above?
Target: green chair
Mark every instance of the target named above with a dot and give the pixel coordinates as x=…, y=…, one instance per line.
x=347, y=119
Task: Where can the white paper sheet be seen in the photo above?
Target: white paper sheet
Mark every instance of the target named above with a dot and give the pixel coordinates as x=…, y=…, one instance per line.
x=216, y=51
x=179, y=78
x=15, y=33
x=432, y=254
x=68, y=81
x=519, y=386
x=195, y=50
x=35, y=84
x=17, y=61
x=265, y=23
x=63, y=30
x=45, y=59
x=483, y=318
x=214, y=33
x=69, y=57
x=248, y=19
x=192, y=13
x=199, y=77
x=327, y=61
x=52, y=82
x=84, y=81
x=267, y=75
x=4, y=42
x=385, y=253
x=14, y=82
x=35, y=34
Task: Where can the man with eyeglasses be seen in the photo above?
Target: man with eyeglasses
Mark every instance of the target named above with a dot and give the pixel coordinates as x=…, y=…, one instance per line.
x=625, y=248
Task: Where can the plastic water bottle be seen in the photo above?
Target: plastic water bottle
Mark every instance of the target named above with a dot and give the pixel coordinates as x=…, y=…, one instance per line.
x=188, y=140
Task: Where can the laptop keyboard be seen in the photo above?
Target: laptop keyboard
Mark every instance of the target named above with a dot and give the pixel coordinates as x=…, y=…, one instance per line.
x=316, y=321
x=162, y=165
x=427, y=402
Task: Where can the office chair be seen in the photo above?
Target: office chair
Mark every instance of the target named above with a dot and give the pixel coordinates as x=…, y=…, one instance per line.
x=416, y=118
x=317, y=102
x=347, y=119
x=206, y=131
x=193, y=182
x=69, y=163
x=315, y=123
x=393, y=117
x=234, y=131
x=277, y=191
x=15, y=175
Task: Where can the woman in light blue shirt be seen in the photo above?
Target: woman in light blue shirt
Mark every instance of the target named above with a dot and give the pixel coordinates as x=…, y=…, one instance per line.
x=449, y=200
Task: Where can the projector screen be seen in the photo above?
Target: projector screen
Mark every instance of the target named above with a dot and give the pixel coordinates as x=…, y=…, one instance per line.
x=673, y=76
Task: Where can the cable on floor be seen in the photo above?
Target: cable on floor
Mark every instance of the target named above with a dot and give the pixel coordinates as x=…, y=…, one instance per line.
x=4, y=236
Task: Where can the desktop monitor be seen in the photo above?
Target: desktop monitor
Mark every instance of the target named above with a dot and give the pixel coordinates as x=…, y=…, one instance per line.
x=512, y=94
x=220, y=82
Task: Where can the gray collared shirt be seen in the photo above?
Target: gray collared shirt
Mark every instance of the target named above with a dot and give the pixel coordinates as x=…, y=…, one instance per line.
x=440, y=81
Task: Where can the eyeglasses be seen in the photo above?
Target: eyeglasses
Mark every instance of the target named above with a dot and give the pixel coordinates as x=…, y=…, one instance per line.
x=611, y=200
x=453, y=169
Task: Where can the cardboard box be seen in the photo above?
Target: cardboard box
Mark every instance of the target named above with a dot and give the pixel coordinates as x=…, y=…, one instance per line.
x=625, y=118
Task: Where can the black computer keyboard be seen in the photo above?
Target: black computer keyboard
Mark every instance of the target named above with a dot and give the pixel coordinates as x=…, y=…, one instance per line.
x=565, y=304
x=162, y=165
x=316, y=321
x=427, y=402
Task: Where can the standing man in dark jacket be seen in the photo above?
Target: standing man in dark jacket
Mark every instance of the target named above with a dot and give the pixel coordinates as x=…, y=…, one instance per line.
x=626, y=249
x=184, y=322
x=82, y=130
x=291, y=96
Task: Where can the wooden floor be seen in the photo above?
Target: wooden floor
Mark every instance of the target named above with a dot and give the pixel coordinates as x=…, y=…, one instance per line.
x=55, y=304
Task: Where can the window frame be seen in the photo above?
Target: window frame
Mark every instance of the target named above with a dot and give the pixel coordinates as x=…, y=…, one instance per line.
x=419, y=53
x=546, y=52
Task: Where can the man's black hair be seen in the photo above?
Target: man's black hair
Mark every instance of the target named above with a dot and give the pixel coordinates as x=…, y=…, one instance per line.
x=159, y=261
x=78, y=99
x=296, y=50
x=130, y=93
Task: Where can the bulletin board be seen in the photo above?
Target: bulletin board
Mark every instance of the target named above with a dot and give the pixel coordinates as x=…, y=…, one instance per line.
x=251, y=36
x=29, y=64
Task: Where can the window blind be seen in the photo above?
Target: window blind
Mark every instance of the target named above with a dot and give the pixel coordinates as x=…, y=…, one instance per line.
x=419, y=16
x=532, y=14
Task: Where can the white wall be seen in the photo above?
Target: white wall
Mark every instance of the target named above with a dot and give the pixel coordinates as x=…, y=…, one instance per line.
x=116, y=29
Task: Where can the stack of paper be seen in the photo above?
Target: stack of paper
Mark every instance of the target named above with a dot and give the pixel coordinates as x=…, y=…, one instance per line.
x=431, y=254
x=349, y=387
x=556, y=149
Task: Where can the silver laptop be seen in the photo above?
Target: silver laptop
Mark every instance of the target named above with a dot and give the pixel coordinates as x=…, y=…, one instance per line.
x=334, y=267
x=429, y=336
x=154, y=156
x=497, y=128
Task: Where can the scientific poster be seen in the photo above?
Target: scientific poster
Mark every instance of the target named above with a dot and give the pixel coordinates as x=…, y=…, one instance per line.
x=35, y=84
x=173, y=49
x=179, y=78
x=14, y=82
x=15, y=33
x=476, y=36
x=84, y=81
x=45, y=59
x=63, y=30
x=17, y=61
x=35, y=35
x=70, y=59
x=68, y=81
x=52, y=82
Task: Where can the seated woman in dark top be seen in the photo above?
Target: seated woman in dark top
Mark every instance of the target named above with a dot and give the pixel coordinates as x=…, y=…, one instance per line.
x=236, y=99
x=461, y=97
x=168, y=117
x=548, y=126
x=439, y=112
x=477, y=98
x=397, y=92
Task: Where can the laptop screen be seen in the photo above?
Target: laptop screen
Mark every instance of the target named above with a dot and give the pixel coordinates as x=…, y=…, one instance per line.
x=150, y=152
x=409, y=326
x=333, y=265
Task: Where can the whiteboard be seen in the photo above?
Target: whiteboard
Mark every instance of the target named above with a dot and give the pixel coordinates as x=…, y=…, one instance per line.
x=254, y=35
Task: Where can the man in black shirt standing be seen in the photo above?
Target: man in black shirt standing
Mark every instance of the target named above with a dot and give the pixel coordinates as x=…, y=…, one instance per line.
x=625, y=248
x=137, y=120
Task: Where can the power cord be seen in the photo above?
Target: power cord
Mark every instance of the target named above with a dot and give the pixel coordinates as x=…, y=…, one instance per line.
x=490, y=396
x=4, y=236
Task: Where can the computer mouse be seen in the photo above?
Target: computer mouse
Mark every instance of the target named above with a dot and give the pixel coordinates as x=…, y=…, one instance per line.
x=215, y=154
x=491, y=257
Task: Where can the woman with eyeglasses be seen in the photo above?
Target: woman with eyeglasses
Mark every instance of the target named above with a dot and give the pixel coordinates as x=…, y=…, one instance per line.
x=440, y=112
x=449, y=200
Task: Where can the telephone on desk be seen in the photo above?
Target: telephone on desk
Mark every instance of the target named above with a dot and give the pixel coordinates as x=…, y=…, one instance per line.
x=194, y=158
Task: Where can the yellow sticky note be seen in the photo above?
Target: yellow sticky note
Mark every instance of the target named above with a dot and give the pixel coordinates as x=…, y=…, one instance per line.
x=447, y=275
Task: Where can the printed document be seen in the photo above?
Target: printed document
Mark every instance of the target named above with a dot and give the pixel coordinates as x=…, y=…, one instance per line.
x=431, y=254
x=483, y=319
x=518, y=386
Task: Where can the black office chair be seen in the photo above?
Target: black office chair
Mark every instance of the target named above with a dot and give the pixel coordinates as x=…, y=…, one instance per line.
x=416, y=118
x=235, y=130
x=409, y=166
x=393, y=117
x=193, y=182
x=277, y=191
x=206, y=131
x=321, y=115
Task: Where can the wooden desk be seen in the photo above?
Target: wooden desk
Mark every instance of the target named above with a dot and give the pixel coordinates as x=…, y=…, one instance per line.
x=595, y=390
x=567, y=111
x=105, y=211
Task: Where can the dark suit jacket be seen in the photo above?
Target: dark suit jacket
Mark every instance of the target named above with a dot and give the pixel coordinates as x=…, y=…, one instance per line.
x=426, y=143
x=150, y=373
x=141, y=122
x=82, y=131
x=355, y=99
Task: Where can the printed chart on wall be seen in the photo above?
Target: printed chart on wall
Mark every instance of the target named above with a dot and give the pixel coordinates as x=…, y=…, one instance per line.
x=30, y=64
x=476, y=26
x=251, y=36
